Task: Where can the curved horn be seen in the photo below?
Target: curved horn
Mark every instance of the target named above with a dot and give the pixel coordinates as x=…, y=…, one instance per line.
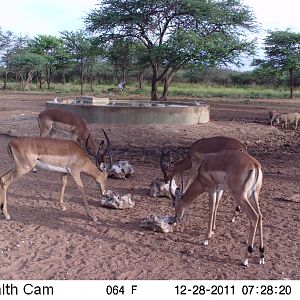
x=164, y=163
x=87, y=147
x=107, y=150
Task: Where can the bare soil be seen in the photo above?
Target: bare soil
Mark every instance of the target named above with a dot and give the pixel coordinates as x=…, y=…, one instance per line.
x=42, y=242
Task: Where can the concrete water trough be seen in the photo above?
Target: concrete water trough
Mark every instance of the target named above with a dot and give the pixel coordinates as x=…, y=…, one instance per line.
x=103, y=110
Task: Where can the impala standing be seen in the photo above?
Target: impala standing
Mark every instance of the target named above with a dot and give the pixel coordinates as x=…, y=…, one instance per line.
x=56, y=120
x=228, y=170
x=196, y=153
x=64, y=156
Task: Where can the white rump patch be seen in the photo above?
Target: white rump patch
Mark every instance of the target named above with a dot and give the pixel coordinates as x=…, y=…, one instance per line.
x=44, y=166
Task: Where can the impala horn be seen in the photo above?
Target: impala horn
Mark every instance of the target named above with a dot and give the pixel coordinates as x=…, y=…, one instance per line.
x=88, y=150
x=106, y=151
x=163, y=163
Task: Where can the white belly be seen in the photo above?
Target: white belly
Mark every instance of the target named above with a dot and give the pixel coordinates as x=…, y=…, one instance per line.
x=48, y=167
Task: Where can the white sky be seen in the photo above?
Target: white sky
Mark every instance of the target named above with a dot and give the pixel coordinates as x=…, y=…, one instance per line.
x=33, y=17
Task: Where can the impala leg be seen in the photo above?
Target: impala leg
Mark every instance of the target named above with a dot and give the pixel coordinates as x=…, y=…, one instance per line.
x=254, y=219
x=81, y=189
x=64, y=179
x=261, y=247
x=255, y=202
x=102, y=182
x=212, y=208
x=218, y=199
x=237, y=212
x=6, y=180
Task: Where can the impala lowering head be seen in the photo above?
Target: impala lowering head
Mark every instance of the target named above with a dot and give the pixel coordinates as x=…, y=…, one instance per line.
x=178, y=191
x=102, y=152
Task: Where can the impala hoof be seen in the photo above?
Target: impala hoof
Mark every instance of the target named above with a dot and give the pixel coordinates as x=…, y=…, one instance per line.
x=7, y=217
x=205, y=243
x=245, y=262
x=262, y=261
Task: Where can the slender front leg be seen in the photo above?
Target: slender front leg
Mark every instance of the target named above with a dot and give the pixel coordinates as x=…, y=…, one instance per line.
x=81, y=189
x=64, y=179
x=3, y=200
x=253, y=218
x=212, y=207
x=219, y=196
x=237, y=212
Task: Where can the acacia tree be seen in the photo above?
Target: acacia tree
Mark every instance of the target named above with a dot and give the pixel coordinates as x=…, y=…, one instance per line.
x=120, y=55
x=25, y=64
x=81, y=48
x=6, y=40
x=282, y=50
x=176, y=32
x=47, y=46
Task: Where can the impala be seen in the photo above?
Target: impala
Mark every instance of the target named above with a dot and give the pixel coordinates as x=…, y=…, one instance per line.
x=56, y=120
x=196, y=153
x=64, y=156
x=229, y=170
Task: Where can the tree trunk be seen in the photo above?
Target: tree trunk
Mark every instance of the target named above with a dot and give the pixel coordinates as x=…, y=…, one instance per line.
x=5, y=81
x=141, y=80
x=154, y=83
x=48, y=75
x=167, y=81
x=291, y=84
x=39, y=75
x=81, y=77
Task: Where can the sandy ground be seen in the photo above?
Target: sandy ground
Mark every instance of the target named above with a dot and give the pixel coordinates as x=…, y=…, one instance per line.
x=42, y=242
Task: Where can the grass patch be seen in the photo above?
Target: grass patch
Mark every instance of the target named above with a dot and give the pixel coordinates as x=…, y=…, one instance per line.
x=175, y=89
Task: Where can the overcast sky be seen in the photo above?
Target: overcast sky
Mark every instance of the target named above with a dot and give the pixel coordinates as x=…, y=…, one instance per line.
x=33, y=17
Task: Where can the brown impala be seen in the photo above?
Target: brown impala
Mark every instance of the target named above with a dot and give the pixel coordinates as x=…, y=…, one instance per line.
x=64, y=156
x=228, y=170
x=56, y=120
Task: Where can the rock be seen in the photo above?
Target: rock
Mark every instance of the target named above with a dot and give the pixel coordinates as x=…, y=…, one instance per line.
x=158, y=224
x=113, y=200
x=120, y=170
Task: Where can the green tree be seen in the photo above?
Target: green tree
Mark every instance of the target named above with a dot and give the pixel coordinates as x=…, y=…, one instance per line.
x=282, y=54
x=18, y=44
x=120, y=55
x=47, y=46
x=81, y=48
x=176, y=32
x=6, y=40
x=25, y=64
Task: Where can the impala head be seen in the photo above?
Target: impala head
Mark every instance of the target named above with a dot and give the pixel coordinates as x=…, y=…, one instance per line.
x=103, y=149
x=178, y=192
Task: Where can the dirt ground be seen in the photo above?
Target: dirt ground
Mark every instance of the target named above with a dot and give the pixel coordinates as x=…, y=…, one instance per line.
x=42, y=242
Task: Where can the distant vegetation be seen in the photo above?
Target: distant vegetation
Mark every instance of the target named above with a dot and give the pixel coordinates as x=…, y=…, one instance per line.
x=162, y=48
x=177, y=89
